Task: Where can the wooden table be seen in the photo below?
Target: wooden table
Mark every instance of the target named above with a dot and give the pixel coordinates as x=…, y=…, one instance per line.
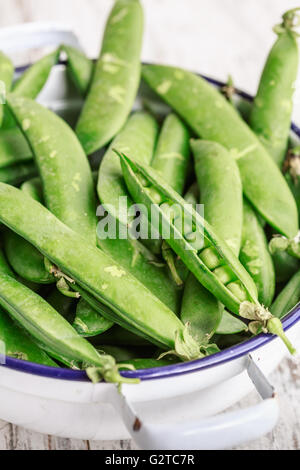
x=214, y=37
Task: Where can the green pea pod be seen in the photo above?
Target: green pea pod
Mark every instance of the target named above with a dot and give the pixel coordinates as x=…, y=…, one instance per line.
x=285, y=266
x=88, y=322
x=16, y=174
x=95, y=272
x=13, y=148
x=171, y=160
x=212, y=263
x=50, y=329
x=6, y=78
x=139, y=137
x=255, y=256
x=4, y=266
x=221, y=190
x=201, y=310
x=288, y=298
x=26, y=261
x=33, y=80
x=122, y=354
x=230, y=325
x=14, y=342
x=213, y=118
x=120, y=337
x=116, y=77
x=140, y=262
x=221, y=193
x=172, y=155
x=63, y=166
x=34, y=189
x=63, y=305
x=271, y=113
x=79, y=67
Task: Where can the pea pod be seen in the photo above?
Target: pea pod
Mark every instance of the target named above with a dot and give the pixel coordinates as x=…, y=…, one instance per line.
x=50, y=329
x=230, y=325
x=13, y=148
x=80, y=68
x=171, y=159
x=221, y=190
x=139, y=138
x=285, y=266
x=221, y=193
x=213, y=118
x=140, y=262
x=201, y=310
x=88, y=322
x=6, y=78
x=17, y=344
x=95, y=272
x=172, y=154
x=116, y=77
x=34, y=189
x=26, y=261
x=255, y=256
x=288, y=298
x=63, y=305
x=119, y=337
x=16, y=174
x=64, y=169
x=212, y=263
x=271, y=113
x=31, y=83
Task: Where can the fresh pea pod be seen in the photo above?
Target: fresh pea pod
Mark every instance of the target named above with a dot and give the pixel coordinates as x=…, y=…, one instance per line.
x=213, y=118
x=255, y=256
x=34, y=189
x=17, y=344
x=63, y=166
x=172, y=155
x=62, y=304
x=271, y=113
x=139, y=261
x=116, y=77
x=88, y=322
x=139, y=138
x=13, y=148
x=221, y=190
x=26, y=261
x=4, y=266
x=230, y=325
x=212, y=262
x=79, y=67
x=285, y=266
x=118, y=336
x=50, y=329
x=288, y=298
x=16, y=174
x=31, y=83
x=6, y=78
x=96, y=273
x=221, y=193
x=201, y=310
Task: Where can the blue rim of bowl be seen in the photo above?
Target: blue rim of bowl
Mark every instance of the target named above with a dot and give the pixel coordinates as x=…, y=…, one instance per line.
x=218, y=359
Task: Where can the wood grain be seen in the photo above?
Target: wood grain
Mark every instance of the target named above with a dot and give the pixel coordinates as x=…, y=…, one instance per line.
x=214, y=37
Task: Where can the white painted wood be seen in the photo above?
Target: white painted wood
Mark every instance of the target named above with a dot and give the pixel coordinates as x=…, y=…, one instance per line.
x=216, y=38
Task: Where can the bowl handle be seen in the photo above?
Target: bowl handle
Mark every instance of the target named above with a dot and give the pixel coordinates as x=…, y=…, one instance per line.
x=28, y=36
x=219, y=432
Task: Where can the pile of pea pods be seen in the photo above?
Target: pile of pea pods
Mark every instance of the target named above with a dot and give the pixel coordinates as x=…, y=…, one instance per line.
x=70, y=297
